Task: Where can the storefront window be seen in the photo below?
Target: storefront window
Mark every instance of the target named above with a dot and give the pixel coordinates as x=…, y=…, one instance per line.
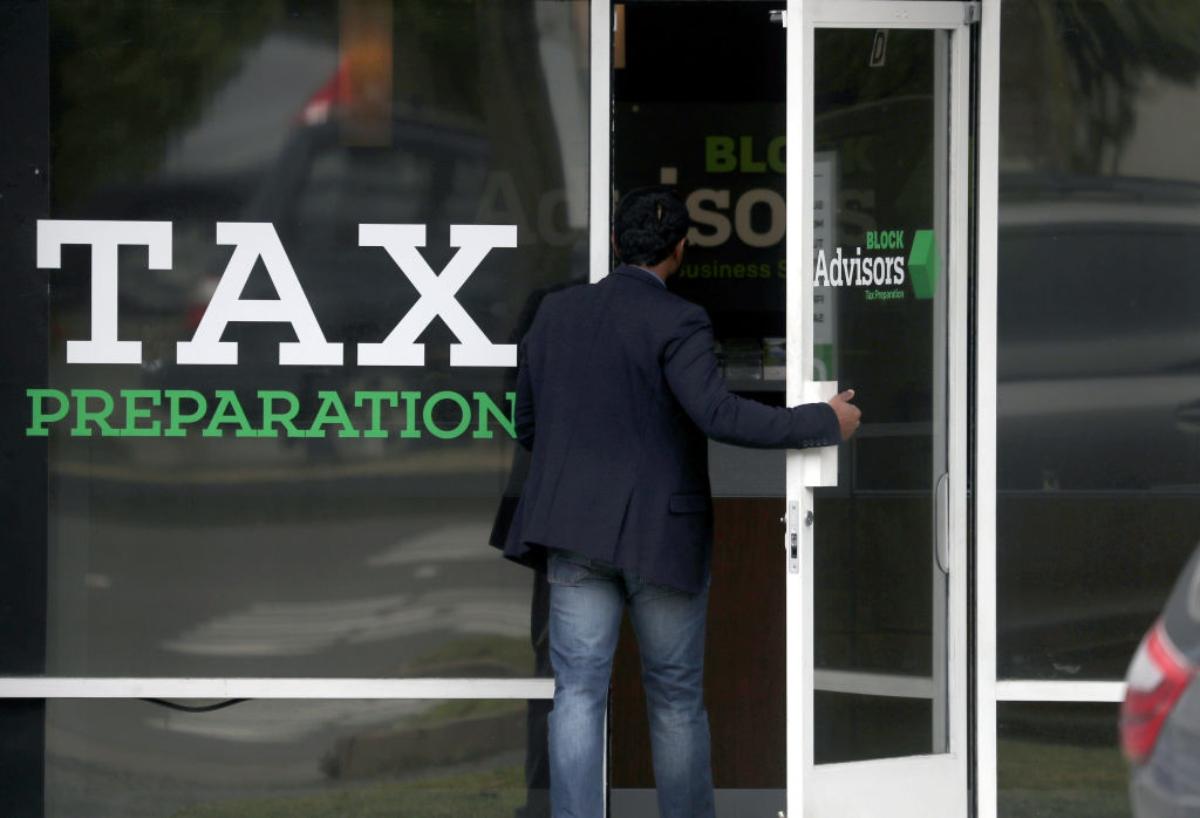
x=279, y=443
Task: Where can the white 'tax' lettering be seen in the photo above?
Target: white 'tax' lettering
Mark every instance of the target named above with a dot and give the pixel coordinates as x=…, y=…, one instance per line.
x=401, y=241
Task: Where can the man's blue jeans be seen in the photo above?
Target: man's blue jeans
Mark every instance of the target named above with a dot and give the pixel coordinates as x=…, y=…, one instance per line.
x=587, y=598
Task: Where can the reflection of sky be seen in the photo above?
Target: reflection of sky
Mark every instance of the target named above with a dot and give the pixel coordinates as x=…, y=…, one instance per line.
x=558, y=49
x=1163, y=141
x=247, y=122
x=1160, y=143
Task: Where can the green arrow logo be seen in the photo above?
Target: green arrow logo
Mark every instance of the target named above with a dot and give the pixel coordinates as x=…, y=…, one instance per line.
x=924, y=264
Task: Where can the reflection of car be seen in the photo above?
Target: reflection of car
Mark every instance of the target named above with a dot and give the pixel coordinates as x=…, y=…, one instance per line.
x=192, y=205
x=1099, y=335
x=322, y=189
x=1098, y=408
x=1160, y=719
x=316, y=195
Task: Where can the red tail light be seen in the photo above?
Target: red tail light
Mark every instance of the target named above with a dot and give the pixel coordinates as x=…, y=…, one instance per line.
x=330, y=96
x=192, y=316
x=202, y=293
x=1157, y=678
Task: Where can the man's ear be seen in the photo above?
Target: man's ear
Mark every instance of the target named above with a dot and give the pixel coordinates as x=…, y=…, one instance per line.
x=616, y=250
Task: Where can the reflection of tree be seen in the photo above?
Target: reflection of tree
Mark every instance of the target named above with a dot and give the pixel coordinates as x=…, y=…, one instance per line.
x=879, y=122
x=128, y=74
x=844, y=76
x=1081, y=64
x=436, y=57
x=520, y=120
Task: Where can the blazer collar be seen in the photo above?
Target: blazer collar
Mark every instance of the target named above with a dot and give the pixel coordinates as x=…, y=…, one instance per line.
x=636, y=273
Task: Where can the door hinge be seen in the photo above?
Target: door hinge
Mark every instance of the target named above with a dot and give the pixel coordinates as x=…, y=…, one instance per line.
x=779, y=16
x=971, y=13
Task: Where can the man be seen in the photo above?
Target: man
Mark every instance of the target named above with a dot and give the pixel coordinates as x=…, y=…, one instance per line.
x=617, y=389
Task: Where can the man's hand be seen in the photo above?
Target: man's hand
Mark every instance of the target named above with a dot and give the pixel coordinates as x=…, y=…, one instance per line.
x=849, y=416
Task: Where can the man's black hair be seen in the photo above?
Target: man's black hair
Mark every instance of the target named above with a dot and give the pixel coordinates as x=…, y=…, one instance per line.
x=648, y=223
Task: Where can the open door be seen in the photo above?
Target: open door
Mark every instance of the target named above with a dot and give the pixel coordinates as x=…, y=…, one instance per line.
x=876, y=536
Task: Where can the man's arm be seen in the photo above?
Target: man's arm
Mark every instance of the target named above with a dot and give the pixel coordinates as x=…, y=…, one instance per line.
x=691, y=370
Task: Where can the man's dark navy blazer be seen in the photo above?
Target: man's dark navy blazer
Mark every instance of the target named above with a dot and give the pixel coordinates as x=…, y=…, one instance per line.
x=617, y=389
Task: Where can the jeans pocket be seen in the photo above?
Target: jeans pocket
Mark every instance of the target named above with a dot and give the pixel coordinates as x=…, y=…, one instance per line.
x=565, y=570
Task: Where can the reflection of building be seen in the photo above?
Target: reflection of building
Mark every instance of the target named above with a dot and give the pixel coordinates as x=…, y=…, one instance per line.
x=186, y=568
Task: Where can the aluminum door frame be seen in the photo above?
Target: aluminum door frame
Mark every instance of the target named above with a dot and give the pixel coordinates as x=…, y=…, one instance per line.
x=870, y=788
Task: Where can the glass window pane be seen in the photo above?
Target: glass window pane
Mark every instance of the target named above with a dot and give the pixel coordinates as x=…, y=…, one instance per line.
x=299, y=497
x=880, y=311
x=1062, y=760
x=301, y=759
x=1098, y=452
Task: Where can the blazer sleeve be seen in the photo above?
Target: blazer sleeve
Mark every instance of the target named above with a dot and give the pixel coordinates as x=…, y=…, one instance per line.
x=691, y=370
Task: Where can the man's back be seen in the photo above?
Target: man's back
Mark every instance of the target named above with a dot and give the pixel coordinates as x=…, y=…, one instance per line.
x=617, y=390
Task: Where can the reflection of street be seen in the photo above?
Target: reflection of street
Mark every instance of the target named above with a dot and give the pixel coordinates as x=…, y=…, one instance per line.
x=411, y=589
x=256, y=594
x=302, y=628
x=308, y=759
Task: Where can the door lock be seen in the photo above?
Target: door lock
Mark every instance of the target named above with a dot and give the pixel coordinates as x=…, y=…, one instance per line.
x=793, y=535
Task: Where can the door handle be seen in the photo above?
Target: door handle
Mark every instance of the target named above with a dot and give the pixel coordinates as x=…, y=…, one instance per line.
x=941, y=523
x=820, y=464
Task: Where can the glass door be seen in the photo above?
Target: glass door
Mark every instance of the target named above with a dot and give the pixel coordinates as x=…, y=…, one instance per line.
x=877, y=302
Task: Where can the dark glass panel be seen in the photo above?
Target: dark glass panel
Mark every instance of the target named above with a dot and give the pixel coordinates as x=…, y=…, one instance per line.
x=1061, y=760
x=1099, y=330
